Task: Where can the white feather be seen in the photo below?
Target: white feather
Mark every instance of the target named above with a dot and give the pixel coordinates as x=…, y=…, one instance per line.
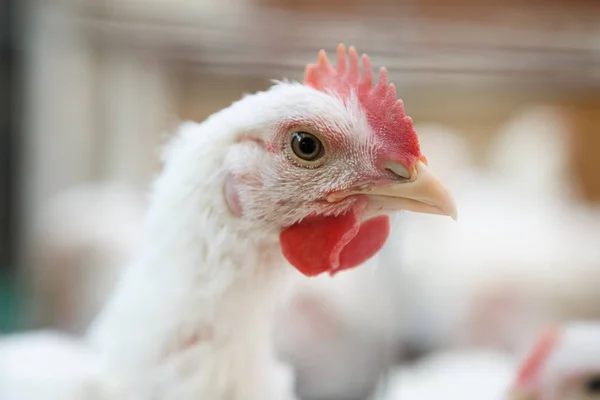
x=340, y=333
x=191, y=316
x=48, y=366
x=508, y=267
x=466, y=374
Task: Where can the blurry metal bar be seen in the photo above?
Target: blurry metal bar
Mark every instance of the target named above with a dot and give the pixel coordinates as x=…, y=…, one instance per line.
x=59, y=140
x=136, y=100
x=8, y=151
x=562, y=50
x=10, y=65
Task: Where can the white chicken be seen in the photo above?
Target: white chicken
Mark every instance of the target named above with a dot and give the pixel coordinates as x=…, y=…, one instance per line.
x=539, y=135
x=340, y=334
x=563, y=365
x=303, y=172
x=477, y=374
x=511, y=265
x=49, y=366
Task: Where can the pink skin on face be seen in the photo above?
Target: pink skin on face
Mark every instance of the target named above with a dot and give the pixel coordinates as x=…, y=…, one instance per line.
x=231, y=197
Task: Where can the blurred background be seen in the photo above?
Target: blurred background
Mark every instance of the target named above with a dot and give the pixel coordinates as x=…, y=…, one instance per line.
x=505, y=95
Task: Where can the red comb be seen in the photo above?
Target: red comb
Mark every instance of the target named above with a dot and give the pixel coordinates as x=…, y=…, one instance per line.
x=384, y=112
x=533, y=364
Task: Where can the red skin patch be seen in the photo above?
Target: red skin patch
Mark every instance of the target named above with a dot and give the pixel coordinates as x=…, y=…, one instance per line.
x=370, y=239
x=533, y=365
x=332, y=244
x=392, y=128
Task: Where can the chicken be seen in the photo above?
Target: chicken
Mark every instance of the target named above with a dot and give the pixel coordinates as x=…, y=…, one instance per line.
x=478, y=374
x=563, y=365
x=449, y=152
x=49, y=366
x=510, y=267
x=301, y=174
x=415, y=276
x=540, y=135
x=340, y=334
x=83, y=237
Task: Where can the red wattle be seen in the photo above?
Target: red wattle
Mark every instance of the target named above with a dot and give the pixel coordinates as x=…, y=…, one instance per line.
x=370, y=239
x=332, y=244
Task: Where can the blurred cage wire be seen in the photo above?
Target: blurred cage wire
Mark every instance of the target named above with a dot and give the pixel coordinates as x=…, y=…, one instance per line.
x=104, y=82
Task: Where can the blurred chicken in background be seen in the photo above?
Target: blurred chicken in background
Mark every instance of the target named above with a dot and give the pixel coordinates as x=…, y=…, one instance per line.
x=532, y=153
x=341, y=333
x=520, y=248
x=471, y=374
x=45, y=365
x=564, y=363
x=84, y=236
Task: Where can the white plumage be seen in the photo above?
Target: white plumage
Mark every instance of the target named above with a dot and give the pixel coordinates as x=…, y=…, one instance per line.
x=460, y=374
x=45, y=365
x=522, y=245
x=340, y=334
x=192, y=312
x=564, y=364
x=298, y=174
x=189, y=315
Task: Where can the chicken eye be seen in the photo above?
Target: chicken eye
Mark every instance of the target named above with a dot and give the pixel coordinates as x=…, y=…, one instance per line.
x=306, y=146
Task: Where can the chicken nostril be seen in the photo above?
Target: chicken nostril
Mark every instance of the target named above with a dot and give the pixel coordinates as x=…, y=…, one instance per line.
x=397, y=169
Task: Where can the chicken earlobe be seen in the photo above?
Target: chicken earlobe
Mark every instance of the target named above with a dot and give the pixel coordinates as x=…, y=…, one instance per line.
x=231, y=197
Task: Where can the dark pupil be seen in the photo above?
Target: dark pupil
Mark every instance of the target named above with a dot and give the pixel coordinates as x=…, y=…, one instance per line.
x=307, y=145
x=592, y=385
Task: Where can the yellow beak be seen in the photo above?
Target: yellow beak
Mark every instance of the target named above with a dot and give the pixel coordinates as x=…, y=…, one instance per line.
x=423, y=192
x=516, y=394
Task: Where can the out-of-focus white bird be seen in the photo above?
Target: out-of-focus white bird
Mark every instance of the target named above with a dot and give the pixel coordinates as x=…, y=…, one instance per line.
x=448, y=151
x=477, y=374
x=563, y=365
x=82, y=239
x=49, y=366
x=301, y=172
x=520, y=257
x=533, y=150
x=340, y=334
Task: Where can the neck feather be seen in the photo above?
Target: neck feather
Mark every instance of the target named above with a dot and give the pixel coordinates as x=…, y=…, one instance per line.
x=201, y=275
